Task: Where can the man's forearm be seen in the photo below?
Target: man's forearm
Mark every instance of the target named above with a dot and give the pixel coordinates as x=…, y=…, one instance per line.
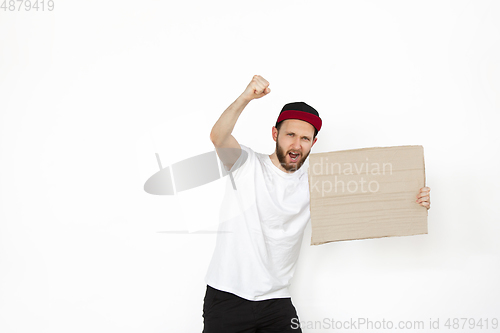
x=225, y=125
x=223, y=128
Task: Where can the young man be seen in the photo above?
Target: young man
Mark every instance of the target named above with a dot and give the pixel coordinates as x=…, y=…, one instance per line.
x=263, y=216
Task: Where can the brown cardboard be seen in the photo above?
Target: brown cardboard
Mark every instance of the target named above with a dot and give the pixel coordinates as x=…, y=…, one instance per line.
x=377, y=196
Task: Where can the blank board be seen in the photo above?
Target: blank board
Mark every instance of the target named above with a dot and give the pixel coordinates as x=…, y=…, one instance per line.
x=366, y=193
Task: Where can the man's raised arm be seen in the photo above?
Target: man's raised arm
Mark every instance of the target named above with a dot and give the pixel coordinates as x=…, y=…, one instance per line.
x=226, y=145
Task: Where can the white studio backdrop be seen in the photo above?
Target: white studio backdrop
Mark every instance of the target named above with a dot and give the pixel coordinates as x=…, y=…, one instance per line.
x=91, y=90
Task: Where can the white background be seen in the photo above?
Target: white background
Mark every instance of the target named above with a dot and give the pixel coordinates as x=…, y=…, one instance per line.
x=90, y=91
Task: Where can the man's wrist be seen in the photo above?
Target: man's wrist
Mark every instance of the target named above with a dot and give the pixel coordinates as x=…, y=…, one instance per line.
x=243, y=99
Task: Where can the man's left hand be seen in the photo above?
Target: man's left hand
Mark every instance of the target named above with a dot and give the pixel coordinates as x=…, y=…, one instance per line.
x=424, y=197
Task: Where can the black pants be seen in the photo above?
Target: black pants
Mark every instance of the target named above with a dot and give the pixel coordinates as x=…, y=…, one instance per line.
x=224, y=312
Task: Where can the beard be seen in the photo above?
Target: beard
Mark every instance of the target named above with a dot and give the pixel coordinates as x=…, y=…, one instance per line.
x=282, y=155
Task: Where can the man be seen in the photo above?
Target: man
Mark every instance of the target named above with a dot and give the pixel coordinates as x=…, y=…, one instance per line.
x=263, y=217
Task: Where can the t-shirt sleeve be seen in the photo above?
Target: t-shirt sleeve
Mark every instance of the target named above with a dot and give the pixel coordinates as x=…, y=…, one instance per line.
x=242, y=164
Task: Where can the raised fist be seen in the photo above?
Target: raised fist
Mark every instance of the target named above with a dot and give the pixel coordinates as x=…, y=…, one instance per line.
x=257, y=88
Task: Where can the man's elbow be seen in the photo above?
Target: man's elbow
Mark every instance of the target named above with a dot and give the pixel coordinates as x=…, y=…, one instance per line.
x=214, y=138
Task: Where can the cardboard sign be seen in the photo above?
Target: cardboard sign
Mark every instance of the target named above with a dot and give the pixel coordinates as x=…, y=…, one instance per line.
x=366, y=193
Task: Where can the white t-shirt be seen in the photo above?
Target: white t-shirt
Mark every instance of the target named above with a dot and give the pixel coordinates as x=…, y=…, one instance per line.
x=261, y=227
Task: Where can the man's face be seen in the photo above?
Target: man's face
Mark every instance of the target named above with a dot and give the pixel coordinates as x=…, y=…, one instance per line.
x=293, y=143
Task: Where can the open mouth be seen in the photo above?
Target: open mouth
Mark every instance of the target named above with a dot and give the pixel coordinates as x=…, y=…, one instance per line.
x=294, y=157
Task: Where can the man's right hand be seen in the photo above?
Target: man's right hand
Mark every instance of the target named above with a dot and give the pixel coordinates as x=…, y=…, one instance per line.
x=257, y=88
